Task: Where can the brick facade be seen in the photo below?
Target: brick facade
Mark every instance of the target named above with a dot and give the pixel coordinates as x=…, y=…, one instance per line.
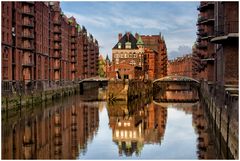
x=215, y=57
x=40, y=47
x=157, y=43
x=181, y=66
x=139, y=57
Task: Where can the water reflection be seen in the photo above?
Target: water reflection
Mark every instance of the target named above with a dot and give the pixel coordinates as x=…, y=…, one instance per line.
x=142, y=129
x=135, y=125
x=58, y=132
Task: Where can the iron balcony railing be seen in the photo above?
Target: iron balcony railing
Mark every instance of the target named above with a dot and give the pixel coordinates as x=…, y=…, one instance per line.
x=28, y=12
x=27, y=64
x=27, y=35
x=28, y=24
x=227, y=28
x=205, y=19
x=57, y=22
x=204, y=5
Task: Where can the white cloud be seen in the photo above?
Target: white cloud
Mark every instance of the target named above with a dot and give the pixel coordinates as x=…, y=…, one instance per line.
x=176, y=24
x=97, y=21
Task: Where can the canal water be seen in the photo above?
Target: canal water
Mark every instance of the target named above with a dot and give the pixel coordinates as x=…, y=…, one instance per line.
x=73, y=128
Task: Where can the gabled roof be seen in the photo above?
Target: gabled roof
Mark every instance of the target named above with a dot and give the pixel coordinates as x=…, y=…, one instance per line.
x=126, y=39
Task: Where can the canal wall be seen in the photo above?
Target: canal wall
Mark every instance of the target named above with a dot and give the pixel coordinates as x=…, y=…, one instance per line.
x=124, y=90
x=222, y=105
x=16, y=100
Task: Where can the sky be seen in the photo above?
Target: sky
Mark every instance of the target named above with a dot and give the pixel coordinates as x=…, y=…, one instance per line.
x=176, y=21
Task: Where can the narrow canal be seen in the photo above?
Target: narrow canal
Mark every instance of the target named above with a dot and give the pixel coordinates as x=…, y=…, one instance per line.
x=71, y=128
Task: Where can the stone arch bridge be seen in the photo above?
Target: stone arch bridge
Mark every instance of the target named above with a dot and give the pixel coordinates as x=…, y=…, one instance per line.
x=175, y=89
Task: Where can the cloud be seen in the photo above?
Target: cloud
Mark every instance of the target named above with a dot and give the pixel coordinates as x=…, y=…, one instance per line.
x=175, y=20
x=182, y=50
x=93, y=20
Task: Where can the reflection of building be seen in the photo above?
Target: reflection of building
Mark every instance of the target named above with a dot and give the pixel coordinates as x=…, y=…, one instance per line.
x=134, y=126
x=155, y=124
x=205, y=144
x=128, y=134
x=57, y=133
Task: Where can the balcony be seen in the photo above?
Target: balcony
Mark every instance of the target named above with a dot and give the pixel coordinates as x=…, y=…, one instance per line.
x=28, y=24
x=57, y=31
x=201, y=46
x=27, y=64
x=73, y=41
x=205, y=5
x=29, y=48
x=57, y=39
x=73, y=61
x=57, y=47
x=73, y=54
x=57, y=22
x=56, y=67
x=73, y=70
x=227, y=31
x=205, y=20
x=57, y=56
x=28, y=36
x=28, y=12
x=28, y=2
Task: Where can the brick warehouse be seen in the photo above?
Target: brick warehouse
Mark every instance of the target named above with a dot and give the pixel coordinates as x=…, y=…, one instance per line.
x=139, y=57
x=42, y=48
x=181, y=66
x=215, y=57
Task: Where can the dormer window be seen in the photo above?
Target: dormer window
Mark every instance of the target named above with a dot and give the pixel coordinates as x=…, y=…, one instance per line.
x=128, y=45
x=119, y=45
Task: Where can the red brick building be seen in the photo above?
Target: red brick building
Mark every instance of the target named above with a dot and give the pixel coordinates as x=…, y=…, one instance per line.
x=215, y=57
x=157, y=44
x=181, y=66
x=204, y=48
x=225, y=43
x=138, y=57
x=150, y=63
x=41, y=47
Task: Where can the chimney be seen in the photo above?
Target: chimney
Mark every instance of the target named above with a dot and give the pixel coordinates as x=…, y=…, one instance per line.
x=119, y=36
x=136, y=35
x=128, y=35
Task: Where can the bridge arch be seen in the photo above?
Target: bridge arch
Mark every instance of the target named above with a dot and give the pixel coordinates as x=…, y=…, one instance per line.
x=176, y=78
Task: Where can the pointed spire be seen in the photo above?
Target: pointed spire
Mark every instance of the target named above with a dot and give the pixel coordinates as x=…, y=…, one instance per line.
x=139, y=41
x=107, y=58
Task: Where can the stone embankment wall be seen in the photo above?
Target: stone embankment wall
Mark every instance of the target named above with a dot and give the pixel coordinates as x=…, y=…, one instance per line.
x=124, y=90
x=224, y=113
x=17, y=100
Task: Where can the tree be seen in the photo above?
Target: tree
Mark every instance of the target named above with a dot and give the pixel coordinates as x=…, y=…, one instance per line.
x=101, y=68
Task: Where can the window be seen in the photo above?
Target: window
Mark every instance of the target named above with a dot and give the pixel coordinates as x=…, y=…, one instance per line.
x=119, y=45
x=132, y=62
x=128, y=45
